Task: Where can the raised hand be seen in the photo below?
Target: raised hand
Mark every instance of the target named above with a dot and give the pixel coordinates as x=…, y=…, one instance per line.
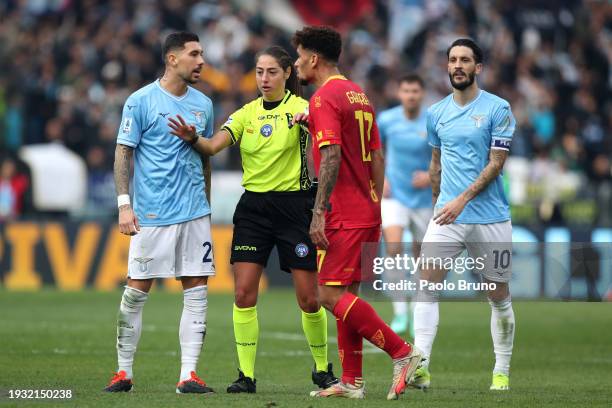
x=182, y=130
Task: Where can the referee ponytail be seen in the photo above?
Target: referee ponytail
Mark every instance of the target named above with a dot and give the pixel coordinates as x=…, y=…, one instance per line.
x=285, y=61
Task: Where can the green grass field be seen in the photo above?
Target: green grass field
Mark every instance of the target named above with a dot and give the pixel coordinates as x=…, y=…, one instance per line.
x=52, y=340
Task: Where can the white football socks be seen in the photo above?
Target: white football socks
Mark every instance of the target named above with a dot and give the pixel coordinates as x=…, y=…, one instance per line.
x=129, y=325
x=426, y=318
x=192, y=328
x=502, y=332
x=400, y=308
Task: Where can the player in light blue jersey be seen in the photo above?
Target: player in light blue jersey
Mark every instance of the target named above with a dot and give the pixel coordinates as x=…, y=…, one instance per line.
x=470, y=132
x=170, y=220
x=406, y=199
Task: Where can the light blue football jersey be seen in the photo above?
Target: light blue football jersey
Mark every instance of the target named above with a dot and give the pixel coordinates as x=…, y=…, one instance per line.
x=168, y=173
x=406, y=151
x=465, y=135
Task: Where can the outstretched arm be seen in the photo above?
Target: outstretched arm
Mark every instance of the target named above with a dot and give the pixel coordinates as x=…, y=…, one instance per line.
x=331, y=156
x=202, y=145
x=452, y=209
x=128, y=223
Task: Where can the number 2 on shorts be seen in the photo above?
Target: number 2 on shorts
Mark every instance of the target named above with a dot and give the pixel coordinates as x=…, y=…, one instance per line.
x=207, y=248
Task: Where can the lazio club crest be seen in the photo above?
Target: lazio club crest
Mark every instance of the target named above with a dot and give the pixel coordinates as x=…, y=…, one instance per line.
x=198, y=117
x=478, y=119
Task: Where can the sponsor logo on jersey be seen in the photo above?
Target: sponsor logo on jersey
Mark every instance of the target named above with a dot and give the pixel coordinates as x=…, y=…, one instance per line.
x=317, y=101
x=163, y=115
x=266, y=130
x=228, y=121
x=269, y=116
x=301, y=250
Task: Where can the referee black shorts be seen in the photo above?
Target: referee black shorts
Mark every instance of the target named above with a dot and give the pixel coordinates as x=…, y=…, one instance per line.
x=262, y=220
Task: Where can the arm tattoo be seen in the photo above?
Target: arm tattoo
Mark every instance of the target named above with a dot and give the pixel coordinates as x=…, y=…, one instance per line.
x=435, y=173
x=207, y=175
x=328, y=174
x=497, y=158
x=123, y=160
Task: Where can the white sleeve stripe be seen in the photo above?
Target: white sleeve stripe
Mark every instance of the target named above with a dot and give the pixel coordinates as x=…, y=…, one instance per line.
x=126, y=143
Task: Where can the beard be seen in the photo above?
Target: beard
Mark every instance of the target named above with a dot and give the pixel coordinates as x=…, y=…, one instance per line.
x=462, y=85
x=188, y=79
x=191, y=81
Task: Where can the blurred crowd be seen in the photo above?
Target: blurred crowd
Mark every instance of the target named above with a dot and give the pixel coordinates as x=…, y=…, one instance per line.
x=66, y=67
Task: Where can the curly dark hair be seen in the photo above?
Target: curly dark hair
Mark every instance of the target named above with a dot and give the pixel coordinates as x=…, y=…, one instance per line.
x=324, y=41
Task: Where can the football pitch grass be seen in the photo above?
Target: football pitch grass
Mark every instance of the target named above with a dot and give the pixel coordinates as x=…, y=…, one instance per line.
x=53, y=340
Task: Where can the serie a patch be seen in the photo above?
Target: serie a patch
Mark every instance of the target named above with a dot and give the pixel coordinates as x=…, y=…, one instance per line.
x=127, y=125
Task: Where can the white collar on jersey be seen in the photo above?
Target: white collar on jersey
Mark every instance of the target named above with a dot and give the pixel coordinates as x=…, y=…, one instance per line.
x=178, y=98
x=467, y=104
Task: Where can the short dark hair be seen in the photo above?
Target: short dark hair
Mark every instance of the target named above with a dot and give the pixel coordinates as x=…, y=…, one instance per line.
x=466, y=42
x=324, y=41
x=412, y=78
x=177, y=41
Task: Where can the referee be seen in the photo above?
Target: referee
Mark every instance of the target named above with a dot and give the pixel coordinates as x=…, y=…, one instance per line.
x=274, y=210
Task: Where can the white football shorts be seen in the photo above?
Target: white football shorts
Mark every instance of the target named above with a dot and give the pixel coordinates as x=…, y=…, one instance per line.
x=489, y=245
x=172, y=251
x=395, y=213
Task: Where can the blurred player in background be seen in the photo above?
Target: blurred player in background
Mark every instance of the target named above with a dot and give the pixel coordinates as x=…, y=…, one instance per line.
x=170, y=220
x=350, y=165
x=470, y=132
x=274, y=210
x=406, y=199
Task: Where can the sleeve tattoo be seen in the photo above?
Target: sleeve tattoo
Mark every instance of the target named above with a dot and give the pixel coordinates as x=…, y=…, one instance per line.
x=435, y=173
x=497, y=158
x=328, y=174
x=123, y=161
